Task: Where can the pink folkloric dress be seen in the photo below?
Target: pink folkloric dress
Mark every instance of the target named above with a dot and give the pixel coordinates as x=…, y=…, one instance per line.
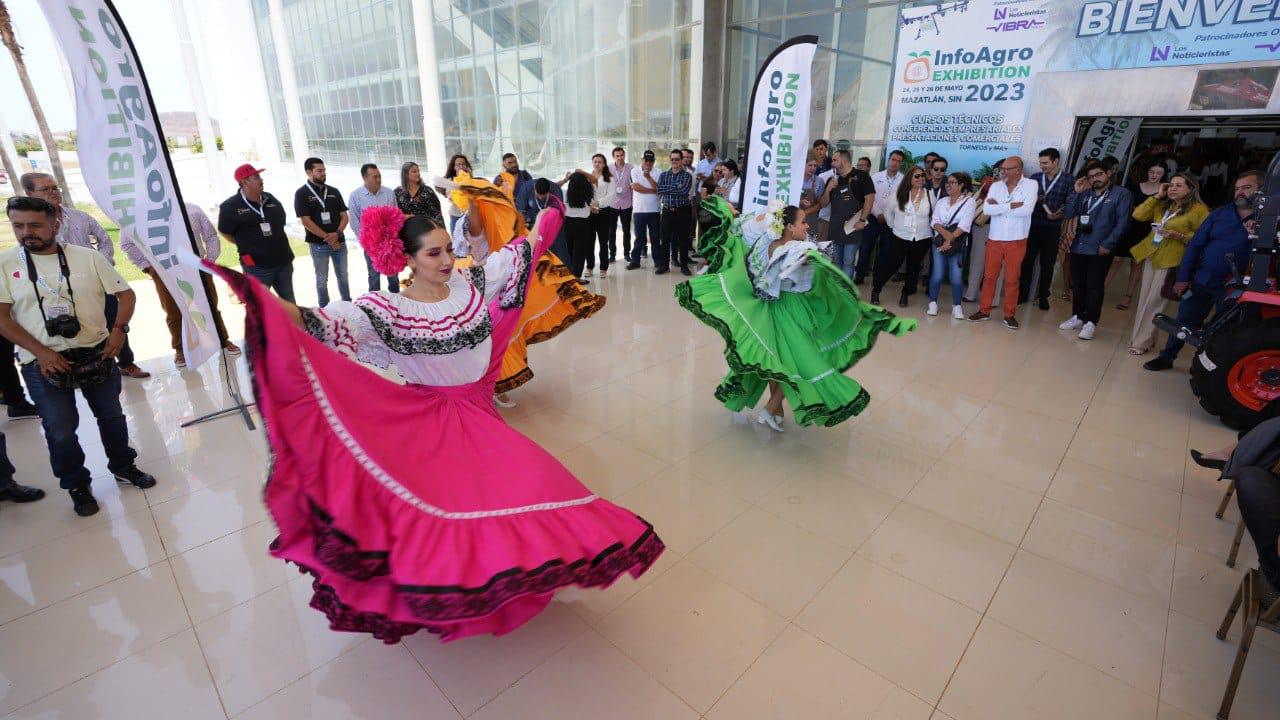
x=415, y=505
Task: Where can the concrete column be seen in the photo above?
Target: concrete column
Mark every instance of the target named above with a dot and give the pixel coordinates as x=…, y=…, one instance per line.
x=429, y=82
x=288, y=82
x=713, y=38
x=207, y=136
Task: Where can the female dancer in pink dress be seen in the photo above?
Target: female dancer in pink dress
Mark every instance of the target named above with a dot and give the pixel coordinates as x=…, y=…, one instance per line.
x=415, y=505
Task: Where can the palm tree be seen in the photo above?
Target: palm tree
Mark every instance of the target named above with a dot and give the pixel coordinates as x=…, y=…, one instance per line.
x=11, y=41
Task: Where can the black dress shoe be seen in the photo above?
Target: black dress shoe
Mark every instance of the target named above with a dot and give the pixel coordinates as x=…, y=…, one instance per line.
x=83, y=501
x=135, y=477
x=22, y=410
x=875, y=297
x=633, y=266
x=1043, y=304
x=661, y=271
x=1157, y=364
x=1212, y=463
x=13, y=492
x=684, y=270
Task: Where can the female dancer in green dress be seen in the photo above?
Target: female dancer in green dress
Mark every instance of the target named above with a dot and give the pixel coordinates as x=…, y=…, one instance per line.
x=790, y=319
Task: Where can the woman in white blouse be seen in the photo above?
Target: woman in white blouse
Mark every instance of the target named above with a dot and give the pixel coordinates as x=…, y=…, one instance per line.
x=604, y=217
x=952, y=221
x=910, y=217
x=730, y=183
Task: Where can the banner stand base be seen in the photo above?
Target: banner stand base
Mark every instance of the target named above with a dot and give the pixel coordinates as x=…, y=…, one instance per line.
x=233, y=389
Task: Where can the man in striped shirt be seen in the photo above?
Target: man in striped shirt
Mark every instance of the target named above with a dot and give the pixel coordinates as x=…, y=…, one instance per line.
x=673, y=192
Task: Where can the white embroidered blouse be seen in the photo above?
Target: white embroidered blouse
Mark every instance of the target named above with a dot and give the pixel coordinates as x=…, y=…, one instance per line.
x=443, y=344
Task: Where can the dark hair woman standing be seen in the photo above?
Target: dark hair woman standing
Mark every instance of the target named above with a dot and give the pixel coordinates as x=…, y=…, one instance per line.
x=458, y=164
x=578, y=228
x=604, y=217
x=414, y=198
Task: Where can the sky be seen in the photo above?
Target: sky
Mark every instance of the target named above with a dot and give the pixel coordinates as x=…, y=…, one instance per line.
x=151, y=24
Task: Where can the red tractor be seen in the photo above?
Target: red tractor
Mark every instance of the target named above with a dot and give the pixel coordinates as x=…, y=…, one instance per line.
x=1236, y=370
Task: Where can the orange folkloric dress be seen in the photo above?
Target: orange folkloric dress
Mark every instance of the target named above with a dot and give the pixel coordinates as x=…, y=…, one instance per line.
x=556, y=299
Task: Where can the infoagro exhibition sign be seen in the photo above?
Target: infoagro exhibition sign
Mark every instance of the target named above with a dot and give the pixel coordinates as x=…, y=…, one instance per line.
x=965, y=68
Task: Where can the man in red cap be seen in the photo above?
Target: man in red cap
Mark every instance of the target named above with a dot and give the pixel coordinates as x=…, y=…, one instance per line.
x=254, y=220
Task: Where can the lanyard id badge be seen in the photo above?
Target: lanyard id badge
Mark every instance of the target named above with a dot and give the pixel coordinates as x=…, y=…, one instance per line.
x=325, y=215
x=264, y=227
x=1092, y=207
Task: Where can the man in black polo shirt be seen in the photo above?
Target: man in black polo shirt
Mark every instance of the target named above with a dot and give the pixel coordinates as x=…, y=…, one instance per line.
x=323, y=213
x=851, y=194
x=253, y=219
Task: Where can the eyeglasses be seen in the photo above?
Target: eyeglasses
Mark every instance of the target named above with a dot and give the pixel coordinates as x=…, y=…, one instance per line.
x=1097, y=175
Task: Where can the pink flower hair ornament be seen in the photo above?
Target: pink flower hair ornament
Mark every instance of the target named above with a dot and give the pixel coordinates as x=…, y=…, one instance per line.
x=380, y=237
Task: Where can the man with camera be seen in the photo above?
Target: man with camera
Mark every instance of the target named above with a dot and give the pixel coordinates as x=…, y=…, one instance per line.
x=52, y=306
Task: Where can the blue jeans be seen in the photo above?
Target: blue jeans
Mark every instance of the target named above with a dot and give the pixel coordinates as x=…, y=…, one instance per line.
x=375, y=280
x=952, y=268
x=845, y=256
x=320, y=256
x=648, y=230
x=1192, y=312
x=279, y=279
x=58, y=415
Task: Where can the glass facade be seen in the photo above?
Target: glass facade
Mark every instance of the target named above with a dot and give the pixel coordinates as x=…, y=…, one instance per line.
x=852, y=70
x=356, y=68
x=557, y=80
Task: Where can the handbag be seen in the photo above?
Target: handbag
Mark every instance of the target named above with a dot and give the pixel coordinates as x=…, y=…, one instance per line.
x=88, y=368
x=961, y=241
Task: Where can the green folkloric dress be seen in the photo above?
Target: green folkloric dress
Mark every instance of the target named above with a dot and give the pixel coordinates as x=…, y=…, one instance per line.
x=789, y=316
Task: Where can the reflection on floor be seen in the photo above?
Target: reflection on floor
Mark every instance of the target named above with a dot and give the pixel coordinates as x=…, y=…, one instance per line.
x=1010, y=531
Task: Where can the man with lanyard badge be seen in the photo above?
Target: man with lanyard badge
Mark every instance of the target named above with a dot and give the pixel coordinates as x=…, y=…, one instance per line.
x=1046, y=227
x=254, y=220
x=323, y=213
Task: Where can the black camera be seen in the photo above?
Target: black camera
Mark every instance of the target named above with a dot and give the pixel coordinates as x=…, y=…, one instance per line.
x=63, y=326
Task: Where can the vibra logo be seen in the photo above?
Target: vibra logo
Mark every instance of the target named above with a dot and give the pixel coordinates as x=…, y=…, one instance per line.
x=1160, y=54
x=918, y=69
x=1016, y=25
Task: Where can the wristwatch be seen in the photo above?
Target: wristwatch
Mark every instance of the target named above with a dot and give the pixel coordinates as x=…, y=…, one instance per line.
x=122, y=328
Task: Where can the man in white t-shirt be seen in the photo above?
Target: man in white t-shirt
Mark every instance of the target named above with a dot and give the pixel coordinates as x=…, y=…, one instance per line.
x=886, y=182
x=646, y=210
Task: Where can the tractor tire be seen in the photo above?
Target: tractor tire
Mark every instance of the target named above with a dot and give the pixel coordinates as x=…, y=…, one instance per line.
x=1237, y=374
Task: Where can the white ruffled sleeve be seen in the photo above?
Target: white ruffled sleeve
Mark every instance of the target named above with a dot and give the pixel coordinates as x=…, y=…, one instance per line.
x=346, y=328
x=506, y=273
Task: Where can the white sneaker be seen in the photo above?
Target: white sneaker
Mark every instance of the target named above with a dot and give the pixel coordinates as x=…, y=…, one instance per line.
x=503, y=400
x=933, y=308
x=957, y=312
x=774, y=422
x=1086, y=332
x=586, y=273
x=1071, y=323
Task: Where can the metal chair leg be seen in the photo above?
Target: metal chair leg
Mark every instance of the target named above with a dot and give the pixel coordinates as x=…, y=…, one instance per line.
x=1235, y=545
x=1226, y=499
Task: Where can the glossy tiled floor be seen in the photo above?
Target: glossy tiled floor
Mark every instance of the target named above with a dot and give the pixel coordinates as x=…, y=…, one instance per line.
x=1010, y=532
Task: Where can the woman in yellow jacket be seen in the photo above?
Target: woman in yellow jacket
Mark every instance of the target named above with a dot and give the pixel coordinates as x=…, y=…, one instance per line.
x=1175, y=212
